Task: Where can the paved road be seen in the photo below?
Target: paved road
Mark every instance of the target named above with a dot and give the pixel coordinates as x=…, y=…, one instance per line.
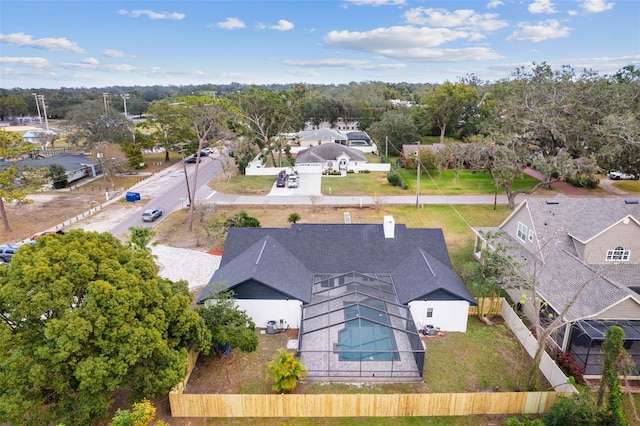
x=168, y=190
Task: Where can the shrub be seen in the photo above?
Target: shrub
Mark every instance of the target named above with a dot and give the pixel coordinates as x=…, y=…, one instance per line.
x=394, y=179
x=286, y=370
x=579, y=410
x=569, y=366
x=583, y=182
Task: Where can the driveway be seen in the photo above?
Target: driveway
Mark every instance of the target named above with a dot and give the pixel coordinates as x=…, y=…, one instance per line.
x=308, y=185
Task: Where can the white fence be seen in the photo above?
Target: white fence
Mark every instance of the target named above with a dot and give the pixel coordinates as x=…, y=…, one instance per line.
x=548, y=367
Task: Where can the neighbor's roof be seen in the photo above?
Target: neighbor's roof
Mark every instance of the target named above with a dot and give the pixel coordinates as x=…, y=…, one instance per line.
x=323, y=134
x=327, y=152
x=562, y=274
x=357, y=135
x=70, y=162
x=284, y=258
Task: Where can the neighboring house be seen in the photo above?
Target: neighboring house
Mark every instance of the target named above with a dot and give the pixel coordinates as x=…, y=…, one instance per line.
x=340, y=124
x=77, y=166
x=586, y=257
x=42, y=137
x=308, y=138
x=359, y=293
x=359, y=140
x=409, y=151
x=333, y=156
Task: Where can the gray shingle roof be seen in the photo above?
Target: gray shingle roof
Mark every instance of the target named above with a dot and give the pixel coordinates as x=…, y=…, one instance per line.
x=296, y=252
x=563, y=274
x=323, y=134
x=328, y=151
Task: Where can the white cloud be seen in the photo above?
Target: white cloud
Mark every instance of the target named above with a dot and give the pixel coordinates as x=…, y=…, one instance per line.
x=420, y=54
x=404, y=37
x=152, y=15
x=112, y=53
x=596, y=6
x=283, y=25
x=535, y=33
x=494, y=3
x=542, y=6
x=26, y=61
x=461, y=19
x=25, y=40
x=231, y=24
x=353, y=64
x=90, y=61
x=377, y=2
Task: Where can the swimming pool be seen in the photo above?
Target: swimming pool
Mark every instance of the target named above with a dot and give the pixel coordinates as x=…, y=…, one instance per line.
x=367, y=335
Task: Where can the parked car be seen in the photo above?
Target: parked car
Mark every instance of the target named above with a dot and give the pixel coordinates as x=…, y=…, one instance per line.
x=206, y=151
x=48, y=231
x=622, y=176
x=281, y=182
x=151, y=215
x=293, y=181
x=192, y=160
x=7, y=251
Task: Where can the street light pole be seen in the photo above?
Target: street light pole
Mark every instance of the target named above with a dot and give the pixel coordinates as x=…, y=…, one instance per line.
x=35, y=95
x=44, y=111
x=125, y=96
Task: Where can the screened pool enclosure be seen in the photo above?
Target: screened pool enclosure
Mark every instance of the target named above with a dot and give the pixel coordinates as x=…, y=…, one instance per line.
x=355, y=327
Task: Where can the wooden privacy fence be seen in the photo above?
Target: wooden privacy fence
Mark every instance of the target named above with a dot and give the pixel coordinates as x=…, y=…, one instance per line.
x=359, y=405
x=488, y=304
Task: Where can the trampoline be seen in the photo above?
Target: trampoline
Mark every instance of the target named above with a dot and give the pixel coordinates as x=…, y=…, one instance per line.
x=367, y=335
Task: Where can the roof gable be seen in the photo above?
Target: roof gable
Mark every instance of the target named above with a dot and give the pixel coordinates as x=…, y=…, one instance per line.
x=327, y=152
x=268, y=262
x=285, y=258
x=421, y=274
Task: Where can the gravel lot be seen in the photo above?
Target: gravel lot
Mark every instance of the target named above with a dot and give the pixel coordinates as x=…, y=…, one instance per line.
x=196, y=267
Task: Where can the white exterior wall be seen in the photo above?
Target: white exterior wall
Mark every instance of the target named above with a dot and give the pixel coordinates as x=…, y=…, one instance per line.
x=262, y=311
x=448, y=315
x=273, y=171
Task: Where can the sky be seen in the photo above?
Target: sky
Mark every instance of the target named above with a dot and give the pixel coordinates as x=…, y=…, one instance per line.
x=101, y=43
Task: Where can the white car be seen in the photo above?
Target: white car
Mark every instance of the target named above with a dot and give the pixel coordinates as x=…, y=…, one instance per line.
x=292, y=182
x=622, y=176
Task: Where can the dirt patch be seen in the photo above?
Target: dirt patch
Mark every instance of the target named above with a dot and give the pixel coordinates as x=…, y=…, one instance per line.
x=46, y=210
x=239, y=372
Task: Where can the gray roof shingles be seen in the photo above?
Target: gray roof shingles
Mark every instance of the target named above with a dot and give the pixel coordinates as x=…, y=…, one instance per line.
x=328, y=151
x=304, y=249
x=563, y=274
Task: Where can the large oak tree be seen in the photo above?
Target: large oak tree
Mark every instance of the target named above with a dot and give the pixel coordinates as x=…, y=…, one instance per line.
x=81, y=316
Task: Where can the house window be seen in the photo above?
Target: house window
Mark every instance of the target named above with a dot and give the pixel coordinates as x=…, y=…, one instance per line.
x=530, y=234
x=619, y=253
x=429, y=312
x=522, y=231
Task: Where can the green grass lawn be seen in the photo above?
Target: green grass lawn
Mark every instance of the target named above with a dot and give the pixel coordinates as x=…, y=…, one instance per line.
x=375, y=184
x=632, y=186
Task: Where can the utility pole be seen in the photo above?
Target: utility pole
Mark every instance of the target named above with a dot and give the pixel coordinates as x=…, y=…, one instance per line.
x=386, y=146
x=125, y=96
x=44, y=111
x=35, y=95
x=418, y=169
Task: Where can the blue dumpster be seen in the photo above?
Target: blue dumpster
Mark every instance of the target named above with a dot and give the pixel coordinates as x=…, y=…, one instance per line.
x=133, y=196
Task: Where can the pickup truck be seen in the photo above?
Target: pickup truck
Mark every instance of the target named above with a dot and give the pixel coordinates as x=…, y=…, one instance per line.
x=622, y=176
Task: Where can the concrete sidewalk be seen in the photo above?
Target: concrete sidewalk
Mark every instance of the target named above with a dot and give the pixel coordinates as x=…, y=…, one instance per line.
x=324, y=200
